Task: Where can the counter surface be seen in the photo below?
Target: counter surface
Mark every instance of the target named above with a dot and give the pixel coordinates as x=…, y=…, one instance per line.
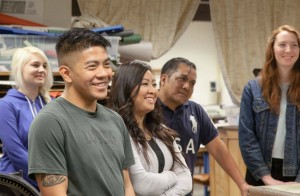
x=278, y=190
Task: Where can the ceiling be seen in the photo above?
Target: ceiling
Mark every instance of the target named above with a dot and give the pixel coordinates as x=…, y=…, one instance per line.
x=203, y=12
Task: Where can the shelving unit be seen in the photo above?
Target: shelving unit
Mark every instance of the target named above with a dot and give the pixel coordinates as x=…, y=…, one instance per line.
x=5, y=84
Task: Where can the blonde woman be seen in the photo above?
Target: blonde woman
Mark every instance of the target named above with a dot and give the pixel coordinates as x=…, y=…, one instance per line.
x=32, y=75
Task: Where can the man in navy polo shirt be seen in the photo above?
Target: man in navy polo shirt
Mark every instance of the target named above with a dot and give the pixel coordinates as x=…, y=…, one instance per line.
x=177, y=80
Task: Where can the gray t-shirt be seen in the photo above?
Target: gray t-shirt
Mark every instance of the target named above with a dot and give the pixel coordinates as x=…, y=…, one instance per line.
x=91, y=149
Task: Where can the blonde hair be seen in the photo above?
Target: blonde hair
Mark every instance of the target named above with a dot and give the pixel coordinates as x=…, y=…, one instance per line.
x=19, y=59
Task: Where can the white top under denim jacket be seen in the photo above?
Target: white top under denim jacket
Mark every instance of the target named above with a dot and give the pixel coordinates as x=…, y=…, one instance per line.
x=257, y=132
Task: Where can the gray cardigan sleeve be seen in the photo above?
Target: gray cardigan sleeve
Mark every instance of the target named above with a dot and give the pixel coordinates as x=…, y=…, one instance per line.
x=185, y=183
x=149, y=183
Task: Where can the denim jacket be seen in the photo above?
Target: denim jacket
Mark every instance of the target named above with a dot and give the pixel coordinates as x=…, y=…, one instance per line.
x=257, y=130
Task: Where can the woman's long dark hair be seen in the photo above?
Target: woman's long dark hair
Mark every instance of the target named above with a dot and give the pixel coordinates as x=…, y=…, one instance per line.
x=125, y=86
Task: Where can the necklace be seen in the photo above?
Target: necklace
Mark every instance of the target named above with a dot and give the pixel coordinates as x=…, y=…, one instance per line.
x=148, y=136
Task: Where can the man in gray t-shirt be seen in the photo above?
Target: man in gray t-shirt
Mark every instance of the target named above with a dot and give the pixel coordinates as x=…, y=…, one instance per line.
x=76, y=146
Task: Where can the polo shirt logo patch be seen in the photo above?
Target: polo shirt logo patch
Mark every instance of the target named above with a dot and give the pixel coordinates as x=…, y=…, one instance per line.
x=194, y=124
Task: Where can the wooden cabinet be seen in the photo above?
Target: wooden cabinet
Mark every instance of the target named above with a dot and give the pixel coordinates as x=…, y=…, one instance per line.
x=220, y=182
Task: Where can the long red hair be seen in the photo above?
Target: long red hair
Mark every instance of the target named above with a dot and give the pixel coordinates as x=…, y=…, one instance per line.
x=270, y=77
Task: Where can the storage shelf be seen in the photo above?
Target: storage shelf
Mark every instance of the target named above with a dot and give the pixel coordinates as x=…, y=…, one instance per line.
x=58, y=84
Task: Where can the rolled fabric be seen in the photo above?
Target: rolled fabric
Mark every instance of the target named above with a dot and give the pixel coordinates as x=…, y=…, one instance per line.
x=122, y=34
x=133, y=39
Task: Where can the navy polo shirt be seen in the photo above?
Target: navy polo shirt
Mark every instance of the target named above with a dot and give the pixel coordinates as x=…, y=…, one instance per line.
x=194, y=127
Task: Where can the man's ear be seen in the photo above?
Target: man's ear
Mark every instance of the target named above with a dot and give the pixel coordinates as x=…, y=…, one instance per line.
x=163, y=78
x=65, y=72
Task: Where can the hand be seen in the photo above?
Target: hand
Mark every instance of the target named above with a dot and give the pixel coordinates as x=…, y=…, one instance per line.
x=269, y=180
x=244, y=187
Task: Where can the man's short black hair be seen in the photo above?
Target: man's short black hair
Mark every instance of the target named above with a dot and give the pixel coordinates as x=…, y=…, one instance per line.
x=171, y=66
x=78, y=39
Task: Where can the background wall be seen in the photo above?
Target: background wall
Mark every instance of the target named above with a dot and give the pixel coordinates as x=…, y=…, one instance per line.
x=55, y=13
x=197, y=45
